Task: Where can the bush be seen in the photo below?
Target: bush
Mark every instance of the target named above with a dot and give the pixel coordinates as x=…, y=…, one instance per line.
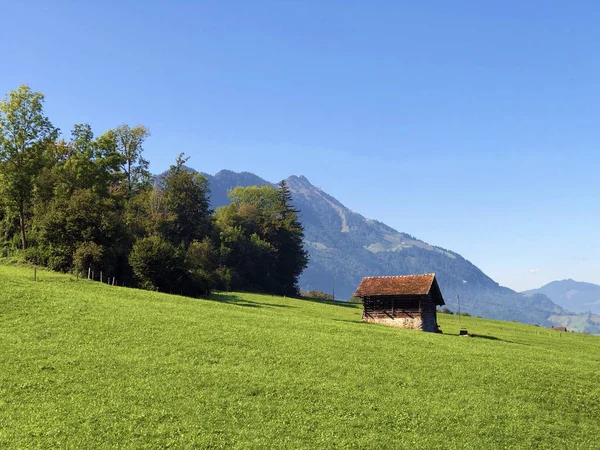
x=8, y=247
x=202, y=254
x=36, y=255
x=225, y=278
x=157, y=264
x=198, y=282
x=88, y=255
x=316, y=294
x=446, y=310
x=60, y=259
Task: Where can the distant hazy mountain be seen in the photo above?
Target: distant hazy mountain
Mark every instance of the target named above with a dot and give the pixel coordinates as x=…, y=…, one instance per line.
x=572, y=295
x=345, y=246
x=584, y=322
x=226, y=180
x=222, y=182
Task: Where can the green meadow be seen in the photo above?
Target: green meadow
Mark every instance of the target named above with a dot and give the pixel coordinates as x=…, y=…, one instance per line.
x=87, y=365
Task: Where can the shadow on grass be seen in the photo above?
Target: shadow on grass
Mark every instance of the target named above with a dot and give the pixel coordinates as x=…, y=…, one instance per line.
x=483, y=336
x=238, y=301
x=494, y=338
x=330, y=302
x=233, y=299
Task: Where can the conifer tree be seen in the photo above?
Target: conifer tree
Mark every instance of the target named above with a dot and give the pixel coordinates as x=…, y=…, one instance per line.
x=288, y=238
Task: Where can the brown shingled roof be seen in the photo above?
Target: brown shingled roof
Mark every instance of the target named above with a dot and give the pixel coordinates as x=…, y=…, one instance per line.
x=398, y=285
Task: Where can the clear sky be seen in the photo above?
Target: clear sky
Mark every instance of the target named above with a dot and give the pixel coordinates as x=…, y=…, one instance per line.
x=471, y=125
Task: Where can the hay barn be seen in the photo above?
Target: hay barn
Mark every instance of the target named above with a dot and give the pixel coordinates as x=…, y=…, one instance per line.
x=407, y=301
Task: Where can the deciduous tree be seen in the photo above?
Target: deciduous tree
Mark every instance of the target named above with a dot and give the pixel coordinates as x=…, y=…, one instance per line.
x=129, y=144
x=262, y=239
x=24, y=131
x=186, y=201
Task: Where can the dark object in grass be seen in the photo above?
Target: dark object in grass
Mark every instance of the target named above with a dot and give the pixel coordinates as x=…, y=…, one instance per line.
x=463, y=333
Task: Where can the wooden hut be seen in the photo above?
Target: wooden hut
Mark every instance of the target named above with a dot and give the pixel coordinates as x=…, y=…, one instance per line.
x=407, y=301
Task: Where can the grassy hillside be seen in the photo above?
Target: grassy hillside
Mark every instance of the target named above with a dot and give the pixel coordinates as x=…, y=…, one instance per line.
x=85, y=365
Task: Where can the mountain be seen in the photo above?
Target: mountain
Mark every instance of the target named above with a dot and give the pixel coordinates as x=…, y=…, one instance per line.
x=222, y=182
x=573, y=295
x=225, y=180
x=345, y=246
x=582, y=298
x=584, y=322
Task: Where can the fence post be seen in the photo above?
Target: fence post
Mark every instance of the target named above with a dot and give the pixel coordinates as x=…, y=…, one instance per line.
x=89, y=272
x=100, y=276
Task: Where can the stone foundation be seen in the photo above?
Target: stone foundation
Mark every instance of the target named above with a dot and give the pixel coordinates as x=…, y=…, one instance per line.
x=412, y=323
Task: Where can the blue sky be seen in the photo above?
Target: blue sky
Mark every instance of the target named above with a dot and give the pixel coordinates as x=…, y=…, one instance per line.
x=471, y=125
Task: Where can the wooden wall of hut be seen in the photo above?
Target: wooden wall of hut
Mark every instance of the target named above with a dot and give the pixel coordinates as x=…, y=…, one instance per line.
x=398, y=306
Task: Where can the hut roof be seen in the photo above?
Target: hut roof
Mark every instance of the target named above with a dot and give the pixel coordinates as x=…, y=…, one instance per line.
x=400, y=285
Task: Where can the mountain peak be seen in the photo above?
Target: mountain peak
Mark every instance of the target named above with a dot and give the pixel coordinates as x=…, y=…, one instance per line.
x=226, y=173
x=301, y=185
x=299, y=179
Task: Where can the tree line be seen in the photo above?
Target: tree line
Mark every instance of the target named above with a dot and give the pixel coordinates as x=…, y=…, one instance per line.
x=89, y=203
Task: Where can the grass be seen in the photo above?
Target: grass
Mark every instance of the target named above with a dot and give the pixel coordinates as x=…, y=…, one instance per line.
x=85, y=365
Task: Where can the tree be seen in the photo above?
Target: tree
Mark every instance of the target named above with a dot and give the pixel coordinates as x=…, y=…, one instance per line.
x=84, y=216
x=87, y=203
x=24, y=131
x=201, y=260
x=128, y=143
x=243, y=250
x=88, y=255
x=287, y=237
x=86, y=163
x=185, y=198
x=74, y=208
x=262, y=239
